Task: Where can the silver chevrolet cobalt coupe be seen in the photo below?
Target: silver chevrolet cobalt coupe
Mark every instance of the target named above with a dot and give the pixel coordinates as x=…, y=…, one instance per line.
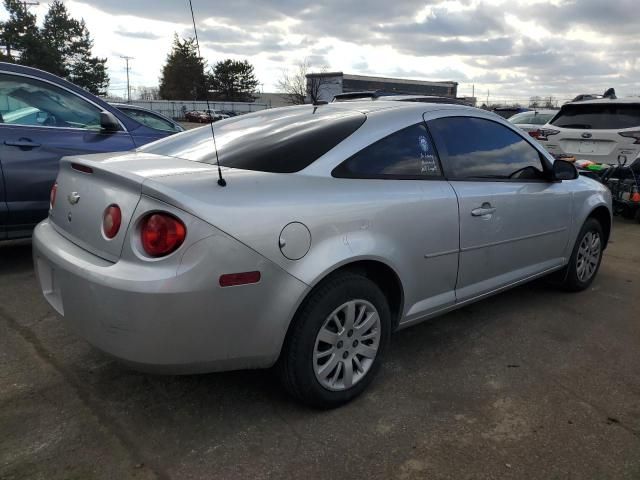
x=338, y=224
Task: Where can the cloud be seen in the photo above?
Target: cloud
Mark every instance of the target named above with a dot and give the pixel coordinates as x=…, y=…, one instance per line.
x=516, y=47
x=139, y=35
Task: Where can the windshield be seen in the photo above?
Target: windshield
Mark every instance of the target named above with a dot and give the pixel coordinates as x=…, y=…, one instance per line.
x=603, y=116
x=280, y=140
x=531, y=118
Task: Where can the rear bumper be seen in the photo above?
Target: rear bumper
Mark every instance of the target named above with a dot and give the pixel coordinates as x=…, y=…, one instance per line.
x=178, y=321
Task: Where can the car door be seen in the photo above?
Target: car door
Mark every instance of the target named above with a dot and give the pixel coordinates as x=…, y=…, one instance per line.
x=418, y=222
x=43, y=122
x=3, y=209
x=514, y=221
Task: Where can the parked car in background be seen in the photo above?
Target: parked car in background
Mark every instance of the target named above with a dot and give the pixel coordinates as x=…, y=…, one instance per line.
x=149, y=118
x=532, y=121
x=338, y=224
x=508, y=112
x=43, y=118
x=194, y=116
x=604, y=130
x=205, y=116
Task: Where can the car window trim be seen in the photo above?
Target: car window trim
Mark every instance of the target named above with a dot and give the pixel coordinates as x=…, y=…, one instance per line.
x=100, y=108
x=155, y=115
x=440, y=177
x=546, y=167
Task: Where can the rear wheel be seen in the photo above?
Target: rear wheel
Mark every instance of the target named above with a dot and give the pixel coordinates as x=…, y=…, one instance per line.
x=585, y=258
x=337, y=341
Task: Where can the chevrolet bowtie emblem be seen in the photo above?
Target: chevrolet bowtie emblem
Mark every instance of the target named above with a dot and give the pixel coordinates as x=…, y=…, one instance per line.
x=74, y=197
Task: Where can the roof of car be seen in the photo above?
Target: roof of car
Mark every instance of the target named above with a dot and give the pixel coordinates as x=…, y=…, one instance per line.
x=600, y=101
x=367, y=106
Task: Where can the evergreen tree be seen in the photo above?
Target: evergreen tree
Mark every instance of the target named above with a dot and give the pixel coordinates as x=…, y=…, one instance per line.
x=62, y=46
x=183, y=73
x=19, y=34
x=85, y=70
x=60, y=33
x=234, y=80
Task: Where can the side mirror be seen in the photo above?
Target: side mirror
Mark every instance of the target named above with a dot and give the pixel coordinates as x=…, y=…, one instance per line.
x=109, y=122
x=563, y=170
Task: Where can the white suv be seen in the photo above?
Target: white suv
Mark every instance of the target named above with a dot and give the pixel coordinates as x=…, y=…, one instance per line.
x=604, y=130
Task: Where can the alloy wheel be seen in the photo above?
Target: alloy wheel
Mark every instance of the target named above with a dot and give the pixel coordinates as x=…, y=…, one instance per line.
x=346, y=345
x=588, y=257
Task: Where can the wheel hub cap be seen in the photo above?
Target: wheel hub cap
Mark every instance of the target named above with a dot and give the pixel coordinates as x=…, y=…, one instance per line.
x=346, y=345
x=589, y=253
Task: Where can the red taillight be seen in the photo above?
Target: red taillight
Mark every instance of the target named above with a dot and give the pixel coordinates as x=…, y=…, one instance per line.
x=233, y=279
x=161, y=234
x=52, y=196
x=81, y=168
x=535, y=133
x=111, y=221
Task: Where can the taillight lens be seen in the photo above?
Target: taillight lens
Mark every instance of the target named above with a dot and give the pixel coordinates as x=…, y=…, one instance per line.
x=161, y=234
x=545, y=133
x=52, y=195
x=111, y=221
x=634, y=135
x=534, y=133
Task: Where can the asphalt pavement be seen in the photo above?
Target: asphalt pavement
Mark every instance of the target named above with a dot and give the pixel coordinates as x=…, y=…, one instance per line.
x=530, y=384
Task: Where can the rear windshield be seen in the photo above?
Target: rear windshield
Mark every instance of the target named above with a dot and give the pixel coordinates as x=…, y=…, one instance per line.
x=281, y=140
x=601, y=116
x=531, y=118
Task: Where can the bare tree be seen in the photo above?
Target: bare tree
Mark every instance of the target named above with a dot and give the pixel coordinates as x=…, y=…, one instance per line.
x=297, y=87
x=534, y=102
x=294, y=84
x=550, y=102
x=148, y=93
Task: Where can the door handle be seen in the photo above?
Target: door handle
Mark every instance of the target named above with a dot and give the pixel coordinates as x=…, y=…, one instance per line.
x=485, y=209
x=22, y=143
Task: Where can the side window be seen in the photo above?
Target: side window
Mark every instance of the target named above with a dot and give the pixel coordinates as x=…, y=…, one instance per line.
x=150, y=120
x=407, y=153
x=478, y=148
x=27, y=101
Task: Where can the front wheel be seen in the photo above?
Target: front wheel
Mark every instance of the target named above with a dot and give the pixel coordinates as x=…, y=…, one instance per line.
x=585, y=259
x=337, y=340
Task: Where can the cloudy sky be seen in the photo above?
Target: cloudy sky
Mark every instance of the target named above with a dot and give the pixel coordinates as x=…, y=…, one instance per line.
x=511, y=48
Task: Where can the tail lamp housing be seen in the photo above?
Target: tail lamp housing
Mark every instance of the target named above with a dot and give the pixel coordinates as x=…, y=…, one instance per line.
x=545, y=133
x=161, y=234
x=111, y=221
x=635, y=135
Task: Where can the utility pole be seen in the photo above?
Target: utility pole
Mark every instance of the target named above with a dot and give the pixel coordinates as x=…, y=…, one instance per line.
x=126, y=59
x=26, y=4
x=487, y=98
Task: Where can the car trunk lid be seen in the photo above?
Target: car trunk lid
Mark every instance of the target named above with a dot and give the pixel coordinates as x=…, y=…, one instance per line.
x=87, y=186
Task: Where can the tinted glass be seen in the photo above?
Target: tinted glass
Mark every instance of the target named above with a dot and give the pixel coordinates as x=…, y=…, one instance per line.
x=150, y=120
x=598, y=116
x=406, y=153
x=281, y=140
x=521, y=118
x=26, y=101
x=478, y=148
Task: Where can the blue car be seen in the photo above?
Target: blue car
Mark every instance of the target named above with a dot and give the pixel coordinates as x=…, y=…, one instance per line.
x=44, y=118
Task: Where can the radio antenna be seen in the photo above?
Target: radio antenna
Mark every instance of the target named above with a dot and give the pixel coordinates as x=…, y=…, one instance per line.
x=221, y=181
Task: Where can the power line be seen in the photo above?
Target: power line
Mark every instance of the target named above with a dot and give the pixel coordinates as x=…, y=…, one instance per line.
x=126, y=59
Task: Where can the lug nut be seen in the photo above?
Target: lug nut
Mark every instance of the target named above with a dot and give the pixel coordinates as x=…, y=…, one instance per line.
x=340, y=344
x=355, y=343
x=345, y=355
x=350, y=333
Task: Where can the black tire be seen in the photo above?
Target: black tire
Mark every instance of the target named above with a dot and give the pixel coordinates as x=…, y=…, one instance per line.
x=296, y=364
x=568, y=278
